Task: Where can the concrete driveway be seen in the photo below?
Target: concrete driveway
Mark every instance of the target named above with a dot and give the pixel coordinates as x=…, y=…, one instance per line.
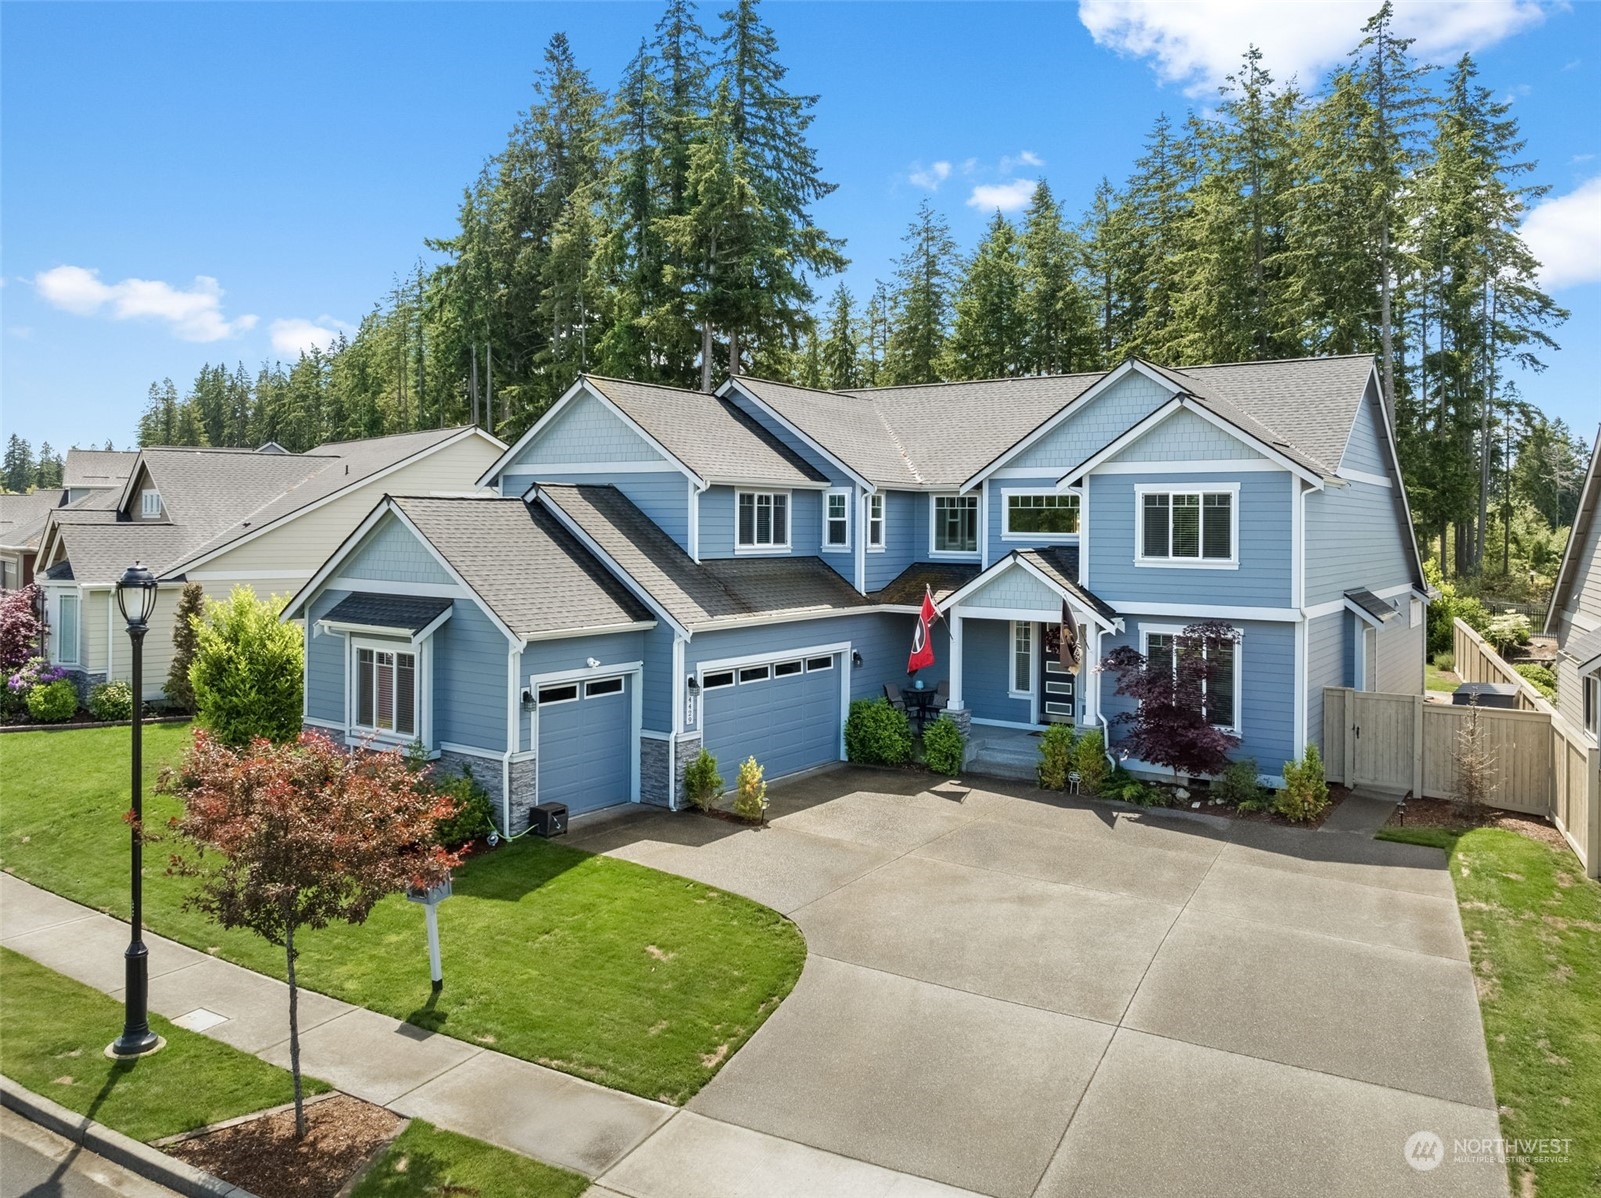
x=1024, y=996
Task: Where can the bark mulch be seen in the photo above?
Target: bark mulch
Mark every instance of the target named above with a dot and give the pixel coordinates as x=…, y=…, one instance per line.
x=1442, y=813
x=261, y=1155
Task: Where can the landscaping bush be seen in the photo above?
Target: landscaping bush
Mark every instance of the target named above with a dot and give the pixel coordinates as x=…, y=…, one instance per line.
x=702, y=783
x=1124, y=787
x=36, y=671
x=1543, y=678
x=1056, y=756
x=877, y=734
x=111, y=701
x=944, y=747
x=1089, y=759
x=54, y=702
x=1445, y=661
x=19, y=628
x=1508, y=631
x=185, y=640
x=473, y=817
x=750, y=792
x=1237, y=785
x=1448, y=607
x=1306, y=790
x=247, y=670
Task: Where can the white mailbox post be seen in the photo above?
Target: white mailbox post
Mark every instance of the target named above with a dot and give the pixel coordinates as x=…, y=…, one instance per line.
x=430, y=900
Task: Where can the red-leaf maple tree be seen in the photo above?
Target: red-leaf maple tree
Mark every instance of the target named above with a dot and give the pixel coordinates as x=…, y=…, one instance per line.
x=1170, y=724
x=294, y=837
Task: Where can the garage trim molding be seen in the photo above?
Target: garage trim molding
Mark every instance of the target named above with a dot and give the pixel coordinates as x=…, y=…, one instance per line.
x=635, y=672
x=841, y=648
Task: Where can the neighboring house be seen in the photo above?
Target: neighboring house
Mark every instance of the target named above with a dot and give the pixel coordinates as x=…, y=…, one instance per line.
x=220, y=517
x=97, y=475
x=773, y=543
x=22, y=519
x=1575, y=615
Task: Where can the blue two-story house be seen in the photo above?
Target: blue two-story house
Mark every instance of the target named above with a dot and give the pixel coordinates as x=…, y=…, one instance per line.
x=659, y=570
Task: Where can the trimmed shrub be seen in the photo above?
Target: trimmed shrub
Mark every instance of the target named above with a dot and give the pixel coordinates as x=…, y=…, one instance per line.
x=944, y=747
x=877, y=734
x=750, y=792
x=1237, y=785
x=473, y=817
x=1089, y=759
x=54, y=702
x=247, y=670
x=1542, y=678
x=111, y=701
x=1056, y=756
x=702, y=783
x=1306, y=790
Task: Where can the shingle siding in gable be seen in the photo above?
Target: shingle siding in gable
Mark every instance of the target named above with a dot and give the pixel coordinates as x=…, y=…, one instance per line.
x=1186, y=437
x=391, y=553
x=1365, y=451
x=1104, y=419
x=1353, y=539
x=1015, y=590
x=586, y=432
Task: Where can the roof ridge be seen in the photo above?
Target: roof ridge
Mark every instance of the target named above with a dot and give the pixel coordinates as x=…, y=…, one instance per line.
x=611, y=378
x=900, y=448
x=1005, y=378
x=449, y=428
x=1269, y=361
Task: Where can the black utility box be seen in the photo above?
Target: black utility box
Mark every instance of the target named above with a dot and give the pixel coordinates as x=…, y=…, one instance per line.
x=548, y=819
x=1485, y=694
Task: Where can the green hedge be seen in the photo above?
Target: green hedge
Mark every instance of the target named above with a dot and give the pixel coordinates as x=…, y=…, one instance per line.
x=877, y=734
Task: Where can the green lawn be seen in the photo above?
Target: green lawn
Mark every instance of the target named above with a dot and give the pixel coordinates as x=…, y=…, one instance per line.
x=1439, y=680
x=624, y=975
x=425, y=1162
x=53, y=1032
x=1533, y=924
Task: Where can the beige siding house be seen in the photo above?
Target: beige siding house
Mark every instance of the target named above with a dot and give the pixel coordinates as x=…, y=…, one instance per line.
x=265, y=519
x=1575, y=615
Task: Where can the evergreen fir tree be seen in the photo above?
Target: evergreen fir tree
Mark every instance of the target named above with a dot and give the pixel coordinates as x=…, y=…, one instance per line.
x=18, y=469
x=1058, y=326
x=989, y=337
x=840, y=350
x=920, y=321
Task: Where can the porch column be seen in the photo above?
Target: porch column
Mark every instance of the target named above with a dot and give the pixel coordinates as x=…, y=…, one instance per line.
x=955, y=703
x=1092, y=678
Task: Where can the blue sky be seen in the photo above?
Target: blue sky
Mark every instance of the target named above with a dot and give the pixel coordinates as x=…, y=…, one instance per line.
x=220, y=182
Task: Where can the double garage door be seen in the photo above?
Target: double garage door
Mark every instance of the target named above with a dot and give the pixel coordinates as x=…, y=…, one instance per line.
x=586, y=743
x=784, y=712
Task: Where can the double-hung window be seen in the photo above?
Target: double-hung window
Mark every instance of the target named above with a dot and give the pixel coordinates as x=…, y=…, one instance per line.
x=1186, y=527
x=1040, y=516
x=955, y=524
x=386, y=691
x=875, y=520
x=1221, y=689
x=837, y=520
x=763, y=519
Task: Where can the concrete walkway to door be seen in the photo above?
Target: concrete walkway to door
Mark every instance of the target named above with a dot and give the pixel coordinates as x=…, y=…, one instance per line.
x=1023, y=996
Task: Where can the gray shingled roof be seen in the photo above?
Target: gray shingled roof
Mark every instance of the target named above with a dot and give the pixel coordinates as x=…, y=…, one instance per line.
x=100, y=552
x=369, y=610
x=22, y=517
x=1374, y=606
x=528, y=569
x=844, y=424
x=696, y=595
x=1584, y=648
x=1584, y=528
x=709, y=435
x=1060, y=565
x=943, y=578
x=97, y=467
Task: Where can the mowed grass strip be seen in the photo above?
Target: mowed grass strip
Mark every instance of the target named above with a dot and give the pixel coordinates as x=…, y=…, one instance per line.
x=1533, y=923
x=624, y=975
x=53, y=1034
x=427, y=1162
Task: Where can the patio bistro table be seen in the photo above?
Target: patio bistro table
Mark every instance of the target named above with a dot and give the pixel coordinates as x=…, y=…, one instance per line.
x=918, y=704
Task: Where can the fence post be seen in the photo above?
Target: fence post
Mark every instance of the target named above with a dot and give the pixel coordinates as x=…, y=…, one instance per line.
x=1351, y=733
x=1417, y=746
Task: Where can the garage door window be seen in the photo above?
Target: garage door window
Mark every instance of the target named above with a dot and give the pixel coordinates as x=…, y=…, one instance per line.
x=605, y=686
x=549, y=695
x=819, y=663
x=755, y=674
x=720, y=679
x=785, y=668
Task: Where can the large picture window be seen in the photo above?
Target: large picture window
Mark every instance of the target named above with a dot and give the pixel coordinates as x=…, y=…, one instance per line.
x=1040, y=515
x=956, y=524
x=1220, y=691
x=386, y=691
x=1186, y=527
x=763, y=520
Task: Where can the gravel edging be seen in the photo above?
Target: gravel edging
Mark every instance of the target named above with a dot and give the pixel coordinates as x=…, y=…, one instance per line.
x=147, y=1162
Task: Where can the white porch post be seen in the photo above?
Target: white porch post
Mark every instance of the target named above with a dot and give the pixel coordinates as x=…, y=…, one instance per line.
x=956, y=703
x=1092, y=692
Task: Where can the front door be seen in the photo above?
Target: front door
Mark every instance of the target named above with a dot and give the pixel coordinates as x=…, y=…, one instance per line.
x=1058, y=683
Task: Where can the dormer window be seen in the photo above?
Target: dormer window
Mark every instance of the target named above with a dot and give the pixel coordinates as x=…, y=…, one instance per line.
x=150, y=503
x=763, y=521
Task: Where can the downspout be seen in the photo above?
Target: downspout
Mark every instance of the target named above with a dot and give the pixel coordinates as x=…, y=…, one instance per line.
x=512, y=738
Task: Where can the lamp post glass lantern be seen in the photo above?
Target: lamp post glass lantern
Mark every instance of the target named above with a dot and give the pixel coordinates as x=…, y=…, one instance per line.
x=136, y=599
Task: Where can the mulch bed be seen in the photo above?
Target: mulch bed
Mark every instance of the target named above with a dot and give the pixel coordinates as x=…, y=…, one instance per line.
x=261, y=1155
x=1442, y=813
x=1337, y=794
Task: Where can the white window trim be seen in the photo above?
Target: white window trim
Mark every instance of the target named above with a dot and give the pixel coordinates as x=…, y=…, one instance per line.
x=423, y=682
x=789, y=522
x=883, y=522
x=1033, y=660
x=58, y=656
x=1592, y=706
x=147, y=509
x=1040, y=538
x=959, y=555
x=845, y=545
x=1232, y=562
x=1237, y=728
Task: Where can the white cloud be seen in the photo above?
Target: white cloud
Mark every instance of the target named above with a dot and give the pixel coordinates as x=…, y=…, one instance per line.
x=1008, y=197
x=1199, y=42
x=1024, y=158
x=296, y=335
x=929, y=177
x=1564, y=233
x=193, y=315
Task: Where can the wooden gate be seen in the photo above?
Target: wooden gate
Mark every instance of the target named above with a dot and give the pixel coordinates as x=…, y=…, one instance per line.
x=1382, y=740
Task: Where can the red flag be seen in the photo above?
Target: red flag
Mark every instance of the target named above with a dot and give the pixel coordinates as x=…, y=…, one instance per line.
x=922, y=644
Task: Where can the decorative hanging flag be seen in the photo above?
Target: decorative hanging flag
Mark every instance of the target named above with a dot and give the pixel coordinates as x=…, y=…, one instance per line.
x=922, y=645
x=1068, y=651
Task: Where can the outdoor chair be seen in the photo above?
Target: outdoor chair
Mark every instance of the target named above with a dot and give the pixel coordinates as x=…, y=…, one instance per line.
x=942, y=695
x=893, y=694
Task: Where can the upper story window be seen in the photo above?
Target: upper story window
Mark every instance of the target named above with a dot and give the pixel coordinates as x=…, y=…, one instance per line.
x=875, y=520
x=1040, y=516
x=955, y=524
x=836, y=520
x=1186, y=528
x=1221, y=690
x=386, y=691
x=763, y=519
x=150, y=503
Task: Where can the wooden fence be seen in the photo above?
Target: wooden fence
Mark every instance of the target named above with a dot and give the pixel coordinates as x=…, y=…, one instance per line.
x=1540, y=764
x=1477, y=661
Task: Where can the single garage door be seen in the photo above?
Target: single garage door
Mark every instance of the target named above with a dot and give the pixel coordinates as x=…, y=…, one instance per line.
x=585, y=743
x=785, y=712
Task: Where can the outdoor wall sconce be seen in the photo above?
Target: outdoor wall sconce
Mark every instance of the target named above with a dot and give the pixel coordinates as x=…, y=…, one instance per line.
x=693, y=683
x=528, y=698
x=856, y=657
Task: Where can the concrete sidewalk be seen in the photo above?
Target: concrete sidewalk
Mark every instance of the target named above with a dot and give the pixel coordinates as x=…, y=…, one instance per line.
x=632, y=1146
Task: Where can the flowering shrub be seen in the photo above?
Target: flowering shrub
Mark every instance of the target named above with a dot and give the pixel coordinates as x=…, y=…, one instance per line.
x=19, y=628
x=34, y=673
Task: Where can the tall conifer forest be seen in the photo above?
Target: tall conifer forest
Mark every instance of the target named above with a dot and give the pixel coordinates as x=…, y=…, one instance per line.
x=663, y=228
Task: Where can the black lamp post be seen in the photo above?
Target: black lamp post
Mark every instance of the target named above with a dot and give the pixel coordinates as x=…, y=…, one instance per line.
x=136, y=598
